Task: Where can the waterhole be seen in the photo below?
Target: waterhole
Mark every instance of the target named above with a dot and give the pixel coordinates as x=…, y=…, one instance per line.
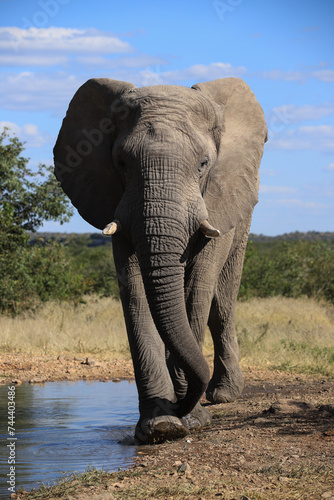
x=65, y=427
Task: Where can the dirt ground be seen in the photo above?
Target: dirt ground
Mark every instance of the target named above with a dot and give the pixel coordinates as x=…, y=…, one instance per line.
x=275, y=442
x=38, y=369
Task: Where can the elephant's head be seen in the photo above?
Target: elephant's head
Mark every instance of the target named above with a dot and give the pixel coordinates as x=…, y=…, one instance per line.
x=165, y=162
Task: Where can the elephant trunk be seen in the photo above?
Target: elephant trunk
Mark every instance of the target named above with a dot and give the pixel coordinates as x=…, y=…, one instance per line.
x=160, y=248
x=164, y=287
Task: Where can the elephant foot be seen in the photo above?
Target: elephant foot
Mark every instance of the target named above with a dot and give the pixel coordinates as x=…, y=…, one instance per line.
x=198, y=418
x=227, y=390
x=159, y=429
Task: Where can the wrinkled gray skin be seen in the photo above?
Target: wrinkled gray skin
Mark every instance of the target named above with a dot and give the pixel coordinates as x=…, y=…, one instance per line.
x=160, y=160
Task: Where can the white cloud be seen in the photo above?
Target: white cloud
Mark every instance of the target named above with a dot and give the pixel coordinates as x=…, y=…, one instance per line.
x=317, y=138
x=26, y=60
x=291, y=113
x=67, y=40
x=30, y=91
x=321, y=191
x=201, y=72
x=277, y=189
x=296, y=203
x=288, y=76
x=322, y=75
x=28, y=133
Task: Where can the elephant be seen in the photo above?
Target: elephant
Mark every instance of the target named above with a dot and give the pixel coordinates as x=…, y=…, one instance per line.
x=172, y=174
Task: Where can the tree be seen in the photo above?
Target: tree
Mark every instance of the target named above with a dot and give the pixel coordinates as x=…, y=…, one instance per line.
x=28, y=198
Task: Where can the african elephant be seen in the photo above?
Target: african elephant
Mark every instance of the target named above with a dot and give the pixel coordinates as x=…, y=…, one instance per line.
x=172, y=173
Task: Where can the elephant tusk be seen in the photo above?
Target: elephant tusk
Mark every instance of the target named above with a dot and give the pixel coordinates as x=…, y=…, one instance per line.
x=208, y=230
x=112, y=228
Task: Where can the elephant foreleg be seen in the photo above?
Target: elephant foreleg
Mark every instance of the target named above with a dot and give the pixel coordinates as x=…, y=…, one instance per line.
x=155, y=388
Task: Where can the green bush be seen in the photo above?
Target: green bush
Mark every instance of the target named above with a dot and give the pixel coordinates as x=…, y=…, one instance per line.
x=290, y=269
x=27, y=199
x=37, y=274
x=95, y=263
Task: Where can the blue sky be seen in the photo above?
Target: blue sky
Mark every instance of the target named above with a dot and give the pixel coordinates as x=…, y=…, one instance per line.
x=283, y=49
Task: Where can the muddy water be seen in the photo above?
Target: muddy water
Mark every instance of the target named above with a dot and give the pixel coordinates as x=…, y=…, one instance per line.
x=66, y=427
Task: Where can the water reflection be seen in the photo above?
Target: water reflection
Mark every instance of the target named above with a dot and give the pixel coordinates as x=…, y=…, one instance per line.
x=66, y=426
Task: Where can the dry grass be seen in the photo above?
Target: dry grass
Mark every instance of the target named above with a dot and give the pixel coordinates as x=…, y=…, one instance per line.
x=287, y=334
x=277, y=333
x=94, y=327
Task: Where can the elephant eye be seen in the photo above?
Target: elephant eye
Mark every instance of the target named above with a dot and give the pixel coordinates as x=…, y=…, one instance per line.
x=202, y=166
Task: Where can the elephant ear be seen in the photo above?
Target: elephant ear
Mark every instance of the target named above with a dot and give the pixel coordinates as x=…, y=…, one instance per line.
x=232, y=187
x=83, y=151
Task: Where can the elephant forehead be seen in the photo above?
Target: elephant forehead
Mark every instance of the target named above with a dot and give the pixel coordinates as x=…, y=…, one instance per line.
x=163, y=91
x=174, y=102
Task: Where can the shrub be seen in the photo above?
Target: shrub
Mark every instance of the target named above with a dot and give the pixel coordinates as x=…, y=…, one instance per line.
x=290, y=269
x=37, y=274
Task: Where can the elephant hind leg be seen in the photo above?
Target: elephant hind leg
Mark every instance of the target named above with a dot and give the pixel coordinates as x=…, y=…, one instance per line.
x=227, y=380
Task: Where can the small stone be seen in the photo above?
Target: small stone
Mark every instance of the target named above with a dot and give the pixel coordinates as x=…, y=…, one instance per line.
x=177, y=463
x=327, y=494
x=184, y=467
x=80, y=360
x=260, y=420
